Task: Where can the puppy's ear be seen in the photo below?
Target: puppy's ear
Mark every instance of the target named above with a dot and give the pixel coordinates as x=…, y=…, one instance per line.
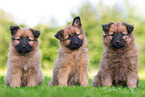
x=129, y=27
x=106, y=27
x=36, y=33
x=77, y=22
x=14, y=29
x=59, y=34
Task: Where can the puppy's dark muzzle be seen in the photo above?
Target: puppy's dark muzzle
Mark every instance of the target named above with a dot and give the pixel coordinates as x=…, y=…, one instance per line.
x=75, y=43
x=117, y=41
x=24, y=46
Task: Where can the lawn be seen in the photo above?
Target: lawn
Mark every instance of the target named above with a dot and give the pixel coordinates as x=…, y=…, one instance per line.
x=74, y=91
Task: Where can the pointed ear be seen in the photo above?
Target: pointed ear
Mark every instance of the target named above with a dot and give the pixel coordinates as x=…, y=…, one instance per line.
x=36, y=33
x=59, y=34
x=129, y=27
x=14, y=29
x=106, y=27
x=77, y=22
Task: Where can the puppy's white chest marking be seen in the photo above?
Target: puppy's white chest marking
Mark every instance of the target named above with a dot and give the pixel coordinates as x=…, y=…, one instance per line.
x=25, y=68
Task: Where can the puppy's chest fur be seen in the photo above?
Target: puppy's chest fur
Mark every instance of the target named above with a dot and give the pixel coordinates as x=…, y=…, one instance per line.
x=118, y=65
x=74, y=61
x=76, y=57
x=26, y=63
x=74, y=75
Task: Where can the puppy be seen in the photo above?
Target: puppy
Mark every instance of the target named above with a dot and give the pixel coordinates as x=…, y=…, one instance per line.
x=119, y=64
x=24, y=68
x=71, y=65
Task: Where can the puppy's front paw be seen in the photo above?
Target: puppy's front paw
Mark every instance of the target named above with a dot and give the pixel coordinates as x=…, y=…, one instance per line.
x=15, y=85
x=51, y=84
x=62, y=84
x=32, y=84
x=132, y=86
x=85, y=84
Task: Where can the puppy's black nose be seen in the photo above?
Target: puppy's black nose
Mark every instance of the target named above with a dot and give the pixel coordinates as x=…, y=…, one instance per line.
x=76, y=43
x=23, y=45
x=117, y=41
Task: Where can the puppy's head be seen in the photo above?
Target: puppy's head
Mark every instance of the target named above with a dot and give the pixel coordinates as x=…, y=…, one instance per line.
x=72, y=36
x=24, y=40
x=117, y=35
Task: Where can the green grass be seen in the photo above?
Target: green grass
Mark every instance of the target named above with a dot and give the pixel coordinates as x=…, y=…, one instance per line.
x=74, y=91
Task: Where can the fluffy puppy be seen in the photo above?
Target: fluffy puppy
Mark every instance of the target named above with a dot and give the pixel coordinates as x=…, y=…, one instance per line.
x=119, y=64
x=71, y=65
x=24, y=68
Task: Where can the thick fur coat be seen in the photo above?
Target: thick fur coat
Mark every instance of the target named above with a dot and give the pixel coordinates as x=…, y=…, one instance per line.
x=71, y=66
x=23, y=69
x=118, y=66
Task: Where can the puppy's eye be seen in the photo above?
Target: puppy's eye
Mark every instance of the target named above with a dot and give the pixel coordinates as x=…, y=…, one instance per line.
x=68, y=38
x=76, y=34
x=29, y=40
x=124, y=34
x=111, y=35
x=19, y=38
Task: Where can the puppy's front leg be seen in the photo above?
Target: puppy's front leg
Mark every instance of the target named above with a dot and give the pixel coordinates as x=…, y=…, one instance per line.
x=83, y=70
x=15, y=76
x=32, y=76
x=132, y=80
x=83, y=77
x=106, y=78
x=63, y=76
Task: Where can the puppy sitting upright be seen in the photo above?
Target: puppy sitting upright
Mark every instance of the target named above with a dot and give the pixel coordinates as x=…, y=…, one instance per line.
x=119, y=64
x=24, y=68
x=71, y=66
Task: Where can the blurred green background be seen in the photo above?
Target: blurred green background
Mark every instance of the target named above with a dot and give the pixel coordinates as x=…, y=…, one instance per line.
x=92, y=17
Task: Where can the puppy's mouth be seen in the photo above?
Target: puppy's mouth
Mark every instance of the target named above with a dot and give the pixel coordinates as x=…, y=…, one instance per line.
x=24, y=46
x=75, y=43
x=117, y=42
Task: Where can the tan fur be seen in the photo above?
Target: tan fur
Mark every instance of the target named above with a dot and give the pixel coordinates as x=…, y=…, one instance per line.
x=16, y=75
x=71, y=66
x=118, y=67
